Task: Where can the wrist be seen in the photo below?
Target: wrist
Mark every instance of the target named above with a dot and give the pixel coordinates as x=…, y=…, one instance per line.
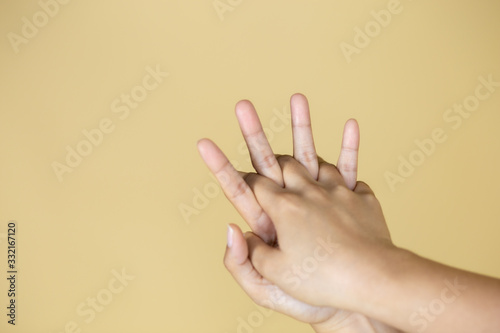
x=376, y=282
x=350, y=322
x=401, y=284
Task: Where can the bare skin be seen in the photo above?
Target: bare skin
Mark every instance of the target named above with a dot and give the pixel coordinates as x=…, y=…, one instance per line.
x=360, y=269
x=236, y=259
x=335, y=251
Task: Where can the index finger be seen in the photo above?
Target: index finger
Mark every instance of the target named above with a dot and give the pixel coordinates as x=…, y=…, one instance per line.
x=261, y=153
x=237, y=190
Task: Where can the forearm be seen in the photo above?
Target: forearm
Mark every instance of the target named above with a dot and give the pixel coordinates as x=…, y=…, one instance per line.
x=415, y=294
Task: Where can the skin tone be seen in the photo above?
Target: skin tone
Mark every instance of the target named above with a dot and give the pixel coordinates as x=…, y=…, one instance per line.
x=335, y=250
x=236, y=260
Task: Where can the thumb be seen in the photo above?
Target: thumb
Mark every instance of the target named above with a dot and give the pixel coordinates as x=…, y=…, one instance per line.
x=237, y=249
x=267, y=260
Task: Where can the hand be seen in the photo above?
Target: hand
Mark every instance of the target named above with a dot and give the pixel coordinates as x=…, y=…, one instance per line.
x=332, y=240
x=237, y=191
x=335, y=251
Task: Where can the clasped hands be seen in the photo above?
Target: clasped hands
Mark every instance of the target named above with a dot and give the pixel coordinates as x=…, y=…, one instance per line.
x=317, y=233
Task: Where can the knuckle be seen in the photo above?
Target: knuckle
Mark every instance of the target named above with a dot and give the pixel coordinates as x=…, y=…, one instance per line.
x=223, y=175
x=342, y=191
x=318, y=193
x=238, y=190
x=370, y=199
x=289, y=198
x=344, y=195
x=267, y=161
x=348, y=166
x=308, y=156
x=328, y=168
x=249, y=178
x=365, y=186
x=285, y=158
x=290, y=204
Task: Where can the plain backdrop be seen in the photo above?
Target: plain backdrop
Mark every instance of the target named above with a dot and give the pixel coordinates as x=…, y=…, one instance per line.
x=141, y=201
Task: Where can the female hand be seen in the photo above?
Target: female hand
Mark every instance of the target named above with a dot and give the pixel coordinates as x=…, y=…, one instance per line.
x=236, y=189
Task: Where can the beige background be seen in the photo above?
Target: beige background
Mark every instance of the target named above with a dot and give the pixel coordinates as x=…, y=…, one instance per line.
x=120, y=207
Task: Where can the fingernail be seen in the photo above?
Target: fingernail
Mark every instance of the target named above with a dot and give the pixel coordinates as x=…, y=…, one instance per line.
x=229, y=236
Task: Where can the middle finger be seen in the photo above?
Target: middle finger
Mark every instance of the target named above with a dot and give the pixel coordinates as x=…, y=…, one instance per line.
x=261, y=153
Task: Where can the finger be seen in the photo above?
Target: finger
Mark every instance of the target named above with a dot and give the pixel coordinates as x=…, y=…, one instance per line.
x=259, y=289
x=321, y=160
x=238, y=264
x=348, y=159
x=266, y=259
x=267, y=193
x=303, y=142
x=237, y=250
x=236, y=190
x=363, y=188
x=329, y=175
x=262, y=156
x=295, y=175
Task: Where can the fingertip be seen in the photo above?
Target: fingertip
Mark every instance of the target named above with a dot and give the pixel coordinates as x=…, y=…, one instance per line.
x=299, y=106
x=236, y=231
x=199, y=142
x=351, y=137
x=248, y=119
x=242, y=106
x=244, y=101
x=230, y=233
x=352, y=125
x=352, y=121
x=297, y=96
x=203, y=144
x=237, y=249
